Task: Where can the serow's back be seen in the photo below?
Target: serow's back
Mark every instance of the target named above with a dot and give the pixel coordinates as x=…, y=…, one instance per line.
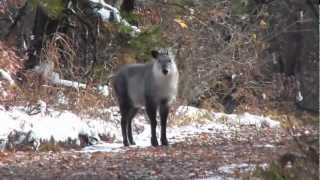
x=131, y=78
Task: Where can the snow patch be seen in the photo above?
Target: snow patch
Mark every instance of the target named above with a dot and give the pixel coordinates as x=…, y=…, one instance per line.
x=216, y=177
x=265, y=145
x=66, y=125
x=247, y=119
x=103, y=147
x=59, y=125
x=189, y=114
x=191, y=111
x=244, y=167
x=104, y=90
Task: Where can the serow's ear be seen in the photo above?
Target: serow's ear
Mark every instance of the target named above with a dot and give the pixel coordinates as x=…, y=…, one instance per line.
x=154, y=54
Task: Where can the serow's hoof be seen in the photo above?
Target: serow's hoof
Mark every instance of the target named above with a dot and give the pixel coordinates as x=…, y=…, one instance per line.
x=164, y=142
x=125, y=143
x=154, y=142
x=133, y=143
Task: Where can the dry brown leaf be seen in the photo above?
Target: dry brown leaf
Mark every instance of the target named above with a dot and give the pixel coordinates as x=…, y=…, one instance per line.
x=181, y=22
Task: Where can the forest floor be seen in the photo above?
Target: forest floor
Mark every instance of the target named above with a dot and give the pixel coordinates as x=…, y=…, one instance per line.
x=211, y=154
x=204, y=156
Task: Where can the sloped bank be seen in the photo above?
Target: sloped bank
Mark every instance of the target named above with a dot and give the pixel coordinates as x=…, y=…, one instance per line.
x=21, y=128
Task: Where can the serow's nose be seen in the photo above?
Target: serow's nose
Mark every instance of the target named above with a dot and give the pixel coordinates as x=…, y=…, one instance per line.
x=165, y=71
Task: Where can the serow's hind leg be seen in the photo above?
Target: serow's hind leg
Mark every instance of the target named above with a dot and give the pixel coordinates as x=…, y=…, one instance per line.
x=124, y=131
x=164, y=112
x=124, y=111
x=132, y=112
x=122, y=97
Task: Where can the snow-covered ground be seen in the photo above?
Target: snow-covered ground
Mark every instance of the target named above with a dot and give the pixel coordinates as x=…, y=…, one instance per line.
x=66, y=125
x=244, y=167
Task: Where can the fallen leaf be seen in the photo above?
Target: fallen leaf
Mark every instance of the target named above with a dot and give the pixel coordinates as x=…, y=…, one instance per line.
x=263, y=24
x=181, y=22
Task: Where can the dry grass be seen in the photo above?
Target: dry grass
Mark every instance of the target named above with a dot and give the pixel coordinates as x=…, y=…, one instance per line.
x=58, y=51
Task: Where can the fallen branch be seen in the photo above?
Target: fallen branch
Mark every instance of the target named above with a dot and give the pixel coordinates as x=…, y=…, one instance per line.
x=55, y=79
x=46, y=71
x=107, y=11
x=6, y=76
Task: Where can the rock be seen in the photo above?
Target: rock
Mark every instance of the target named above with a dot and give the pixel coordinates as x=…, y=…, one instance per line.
x=86, y=140
x=18, y=140
x=230, y=104
x=3, y=144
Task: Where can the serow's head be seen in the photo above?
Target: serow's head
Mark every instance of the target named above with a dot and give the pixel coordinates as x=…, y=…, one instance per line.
x=164, y=62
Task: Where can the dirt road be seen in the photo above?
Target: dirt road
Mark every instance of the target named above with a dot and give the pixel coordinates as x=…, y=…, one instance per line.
x=205, y=156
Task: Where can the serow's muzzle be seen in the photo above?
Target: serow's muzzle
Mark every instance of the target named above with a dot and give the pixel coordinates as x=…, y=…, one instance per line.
x=165, y=71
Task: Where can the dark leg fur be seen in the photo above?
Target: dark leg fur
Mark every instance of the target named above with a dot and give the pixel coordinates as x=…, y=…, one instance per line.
x=124, y=105
x=133, y=111
x=151, y=109
x=164, y=112
x=124, y=123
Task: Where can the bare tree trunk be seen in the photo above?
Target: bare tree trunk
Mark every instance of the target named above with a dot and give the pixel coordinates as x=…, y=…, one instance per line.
x=127, y=5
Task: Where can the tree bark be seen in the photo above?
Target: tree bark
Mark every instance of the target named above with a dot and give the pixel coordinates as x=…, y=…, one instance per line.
x=127, y=5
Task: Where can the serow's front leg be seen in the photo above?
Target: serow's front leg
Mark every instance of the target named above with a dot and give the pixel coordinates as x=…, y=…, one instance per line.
x=164, y=112
x=151, y=109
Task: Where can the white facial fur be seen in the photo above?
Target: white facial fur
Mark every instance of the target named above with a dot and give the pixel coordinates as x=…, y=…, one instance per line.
x=167, y=83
